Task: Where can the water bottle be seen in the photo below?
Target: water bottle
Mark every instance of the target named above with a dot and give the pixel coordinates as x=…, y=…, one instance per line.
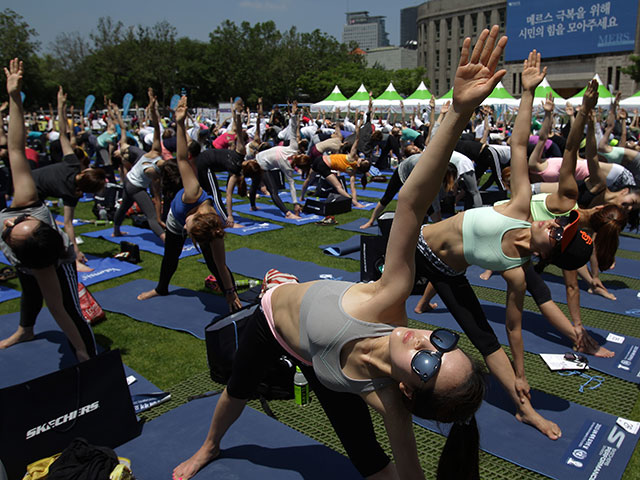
x=300, y=388
x=247, y=283
x=102, y=213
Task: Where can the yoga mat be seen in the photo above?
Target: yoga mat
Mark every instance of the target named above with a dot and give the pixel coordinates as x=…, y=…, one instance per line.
x=76, y=221
x=255, y=447
x=3, y=259
x=183, y=310
x=106, y=269
x=625, y=267
x=7, y=293
x=540, y=337
x=627, y=303
x=629, y=243
x=145, y=239
x=350, y=248
x=255, y=263
x=48, y=352
x=355, y=227
x=249, y=227
x=271, y=212
x=592, y=446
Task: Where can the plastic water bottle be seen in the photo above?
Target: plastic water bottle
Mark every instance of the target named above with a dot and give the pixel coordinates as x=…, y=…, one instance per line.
x=247, y=283
x=102, y=213
x=300, y=388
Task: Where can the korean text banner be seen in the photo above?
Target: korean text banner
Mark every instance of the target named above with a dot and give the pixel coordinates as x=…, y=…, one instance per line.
x=570, y=27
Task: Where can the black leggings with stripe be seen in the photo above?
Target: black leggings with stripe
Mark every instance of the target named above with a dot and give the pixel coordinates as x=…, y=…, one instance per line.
x=32, y=299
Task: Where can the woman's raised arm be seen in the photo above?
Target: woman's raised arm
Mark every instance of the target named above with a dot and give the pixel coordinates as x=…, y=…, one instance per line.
x=475, y=79
x=190, y=182
x=25, y=192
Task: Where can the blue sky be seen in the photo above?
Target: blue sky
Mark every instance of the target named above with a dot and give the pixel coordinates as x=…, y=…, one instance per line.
x=196, y=19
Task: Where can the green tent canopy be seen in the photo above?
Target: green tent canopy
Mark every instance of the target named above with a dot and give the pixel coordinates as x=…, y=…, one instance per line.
x=330, y=102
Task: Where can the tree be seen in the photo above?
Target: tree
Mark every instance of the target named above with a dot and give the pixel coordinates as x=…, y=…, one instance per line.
x=633, y=70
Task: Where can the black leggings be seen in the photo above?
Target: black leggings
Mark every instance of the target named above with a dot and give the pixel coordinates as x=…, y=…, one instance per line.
x=347, y=412
x=457, y=294
x=142, y=198
x=272, y=185
x=172, y=249
x=31, y=302
x=394, y=186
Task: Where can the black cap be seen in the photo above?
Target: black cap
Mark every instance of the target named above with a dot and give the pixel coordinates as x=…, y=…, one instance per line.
x=576, y=246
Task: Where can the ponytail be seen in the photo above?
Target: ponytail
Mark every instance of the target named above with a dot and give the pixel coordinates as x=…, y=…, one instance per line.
x=460, y=457
x=607, y=222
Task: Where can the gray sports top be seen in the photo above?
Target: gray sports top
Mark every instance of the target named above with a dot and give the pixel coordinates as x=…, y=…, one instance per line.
x=325, y=328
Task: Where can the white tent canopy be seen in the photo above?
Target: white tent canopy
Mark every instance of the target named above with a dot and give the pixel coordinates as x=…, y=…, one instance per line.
x=329, y=103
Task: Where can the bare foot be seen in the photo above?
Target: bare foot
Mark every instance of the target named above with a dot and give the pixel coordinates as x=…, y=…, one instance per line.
x=603, y=292
x=147, y=295
x=236, y=225
x=486, y=275
x=293, y=216
x=358, y=205
x=367, y=225
x=591, y=347
x=20, y=335
x=118, y=234
x=425, y=308
x=81, y=267
x=189, y=468
x=546, y=427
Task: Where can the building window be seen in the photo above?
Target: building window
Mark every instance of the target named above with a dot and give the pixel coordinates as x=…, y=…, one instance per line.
x=448, y=84
x=515, y=83
x=520, y=83
x=461, y=23
x=616, y=87
x=474, y=23
x=437, y=84
x=449, y=27
x=437, y=61
x=609, y=76
x=437, y=31
x=501, y=13
x=448, y=58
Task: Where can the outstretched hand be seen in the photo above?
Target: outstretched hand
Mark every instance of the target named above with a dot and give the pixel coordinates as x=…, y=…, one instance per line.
x=181, y=109
x=14, y=76
x=62, y=97
x=531, y=73
x=476, y=76
x=548, y=104
x=590, y=97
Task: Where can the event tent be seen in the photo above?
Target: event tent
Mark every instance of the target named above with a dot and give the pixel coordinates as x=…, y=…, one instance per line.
x=420, y=97
x=500, y=96
x=447, y=97
x=632, y=102
x=605, y=96
x=329, y=102
x=358, y=101
x=389, y=98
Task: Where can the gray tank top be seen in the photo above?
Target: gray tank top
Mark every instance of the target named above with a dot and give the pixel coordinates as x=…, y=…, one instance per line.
x=325, y=328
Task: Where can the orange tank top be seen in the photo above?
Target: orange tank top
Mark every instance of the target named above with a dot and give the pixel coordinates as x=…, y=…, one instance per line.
x=341, y=163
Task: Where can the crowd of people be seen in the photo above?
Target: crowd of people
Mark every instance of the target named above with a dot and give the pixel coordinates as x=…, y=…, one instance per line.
x=567, y=192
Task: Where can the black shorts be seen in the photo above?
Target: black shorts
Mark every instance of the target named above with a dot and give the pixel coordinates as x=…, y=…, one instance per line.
x=321, y=167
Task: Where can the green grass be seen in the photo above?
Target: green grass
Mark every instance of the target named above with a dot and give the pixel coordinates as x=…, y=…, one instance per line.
x=176, y=361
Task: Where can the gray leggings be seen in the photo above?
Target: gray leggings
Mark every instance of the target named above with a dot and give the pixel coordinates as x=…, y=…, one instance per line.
x=142, y=198
x=470, y=184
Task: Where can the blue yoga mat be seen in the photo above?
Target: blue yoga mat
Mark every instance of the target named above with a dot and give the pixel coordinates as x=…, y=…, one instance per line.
x=255, y=263
x=355, y=227
x=48, y=352
x=3, y=259
x=627, y=303
x=255, y=447
x=249, y=227
x=629, y=243
x=105, y=269
x=183, y=309
x=592, y=445
x=350, y=248
x=271, y=212
x=145, y=239
x=625, y=267
x=540, y=337
x=76, y=221
x=7, y=293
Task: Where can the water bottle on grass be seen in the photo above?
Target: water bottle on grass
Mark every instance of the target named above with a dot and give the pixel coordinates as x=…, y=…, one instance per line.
x=300, y=388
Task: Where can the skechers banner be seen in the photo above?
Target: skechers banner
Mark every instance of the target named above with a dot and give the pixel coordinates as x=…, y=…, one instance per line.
x=570, y=27
x=42, y=416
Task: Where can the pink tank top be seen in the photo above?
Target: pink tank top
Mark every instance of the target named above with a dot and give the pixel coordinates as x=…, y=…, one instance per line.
x=552, y=172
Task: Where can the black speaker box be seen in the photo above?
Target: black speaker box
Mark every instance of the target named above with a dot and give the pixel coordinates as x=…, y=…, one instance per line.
x=324, y=206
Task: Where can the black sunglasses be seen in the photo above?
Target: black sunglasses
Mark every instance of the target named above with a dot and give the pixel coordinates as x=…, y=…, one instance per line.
x=557, y=231
x=7, y=230
x=576, y=357
x=426, y=363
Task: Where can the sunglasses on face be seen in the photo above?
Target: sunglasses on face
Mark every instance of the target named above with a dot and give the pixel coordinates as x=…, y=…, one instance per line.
x=557, y=230
x=7, y=230
x=426, y=363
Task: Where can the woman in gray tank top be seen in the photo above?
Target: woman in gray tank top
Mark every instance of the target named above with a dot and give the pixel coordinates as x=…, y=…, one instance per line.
x=387, y=362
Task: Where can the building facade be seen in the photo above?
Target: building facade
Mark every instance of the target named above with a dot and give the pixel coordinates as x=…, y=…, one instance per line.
x=443, y=25
x=367, y=31
x=392, y=58
x=408, y=25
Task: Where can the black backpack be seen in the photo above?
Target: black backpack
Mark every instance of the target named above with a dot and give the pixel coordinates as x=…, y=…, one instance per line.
x=106, y=202
x=222, y=337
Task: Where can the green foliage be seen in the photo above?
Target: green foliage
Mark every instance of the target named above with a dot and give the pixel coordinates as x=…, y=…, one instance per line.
x=244, y=60
x=633, y=70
